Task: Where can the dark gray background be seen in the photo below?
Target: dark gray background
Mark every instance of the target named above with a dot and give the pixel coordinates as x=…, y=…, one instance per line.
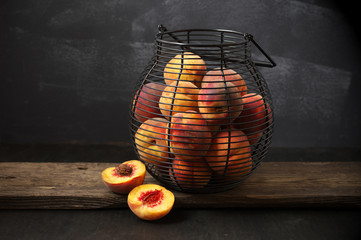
x=69, y=68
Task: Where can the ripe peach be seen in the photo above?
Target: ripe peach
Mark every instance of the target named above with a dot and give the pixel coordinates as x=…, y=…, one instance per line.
x=151, y=141
x=150, y=201
x=123, y=178
x=190, y=173
x=178, y=97
x=185, y=67
x=190, y=137
x=219, y=102
x=227, y=75
x=234, y=144
x=253, y=119
x=269, y=115
x=146, y=105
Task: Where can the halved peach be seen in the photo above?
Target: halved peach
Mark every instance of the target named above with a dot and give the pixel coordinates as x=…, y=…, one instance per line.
x=123, y=178
x=150, y=201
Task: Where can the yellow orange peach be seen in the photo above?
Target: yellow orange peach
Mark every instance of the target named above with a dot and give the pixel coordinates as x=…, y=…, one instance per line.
x=178, y=97
x=151, y=141
x=190, y=173
x=185, y=67
x=230, y=153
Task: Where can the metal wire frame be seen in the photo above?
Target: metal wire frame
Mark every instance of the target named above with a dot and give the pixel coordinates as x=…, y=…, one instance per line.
x=190, y=172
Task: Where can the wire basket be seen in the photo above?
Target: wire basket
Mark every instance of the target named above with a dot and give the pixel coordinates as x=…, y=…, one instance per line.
x=201, y=119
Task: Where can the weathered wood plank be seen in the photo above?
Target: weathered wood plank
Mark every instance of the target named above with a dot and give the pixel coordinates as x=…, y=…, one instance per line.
x=25, y=185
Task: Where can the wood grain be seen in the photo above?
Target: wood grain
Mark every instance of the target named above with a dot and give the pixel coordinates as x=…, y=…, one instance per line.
x=29, y=185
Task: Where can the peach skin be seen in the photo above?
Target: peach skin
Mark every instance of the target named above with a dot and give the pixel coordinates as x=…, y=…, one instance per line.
x=178, y=97
x=230, y=153
x=253, y=119
x=228, y=75
x=151, y=141
x=187, y=67
x=190, y=137
x=219, y=102
x=190, y=173
x=146, y=105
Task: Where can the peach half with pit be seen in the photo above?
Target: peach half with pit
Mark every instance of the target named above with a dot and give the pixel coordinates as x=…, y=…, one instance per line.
x=254, y=118
x=178, y=97
x=190, y=173
x=187, y=67
x=219, y=102
x=190, y=137
x=151, y=141
x=230, y=154
x=146, y=101
x=126, y=176
x=150, y=201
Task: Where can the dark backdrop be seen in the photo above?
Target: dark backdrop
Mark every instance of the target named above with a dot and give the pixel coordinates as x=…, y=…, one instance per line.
x=69, y=68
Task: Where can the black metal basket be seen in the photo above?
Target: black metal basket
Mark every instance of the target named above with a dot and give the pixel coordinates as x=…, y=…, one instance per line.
x=201, y=119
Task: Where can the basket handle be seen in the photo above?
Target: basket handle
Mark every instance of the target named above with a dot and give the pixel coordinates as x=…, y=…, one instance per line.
x=271, y=63
x=247, y=36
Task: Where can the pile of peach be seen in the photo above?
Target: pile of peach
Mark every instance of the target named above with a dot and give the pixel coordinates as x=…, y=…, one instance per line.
x=198, y=123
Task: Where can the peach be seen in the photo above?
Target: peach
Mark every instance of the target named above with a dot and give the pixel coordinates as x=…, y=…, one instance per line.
x=190, y=137
x=150, y=201
x=230, y=153
x=190, y=173
x=269, y=115
x=185, y=67
x=219, y=102
x=146, y=105
x=151, y=141
x=253, y=119
x=229, y=75
x=123, y=178
x=178, y=97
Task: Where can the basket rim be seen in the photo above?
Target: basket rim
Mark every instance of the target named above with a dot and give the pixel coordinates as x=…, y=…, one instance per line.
x=160, y=34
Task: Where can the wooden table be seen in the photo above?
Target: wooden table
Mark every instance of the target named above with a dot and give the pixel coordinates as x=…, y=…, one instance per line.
x=25, y=185
x=56, y=192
